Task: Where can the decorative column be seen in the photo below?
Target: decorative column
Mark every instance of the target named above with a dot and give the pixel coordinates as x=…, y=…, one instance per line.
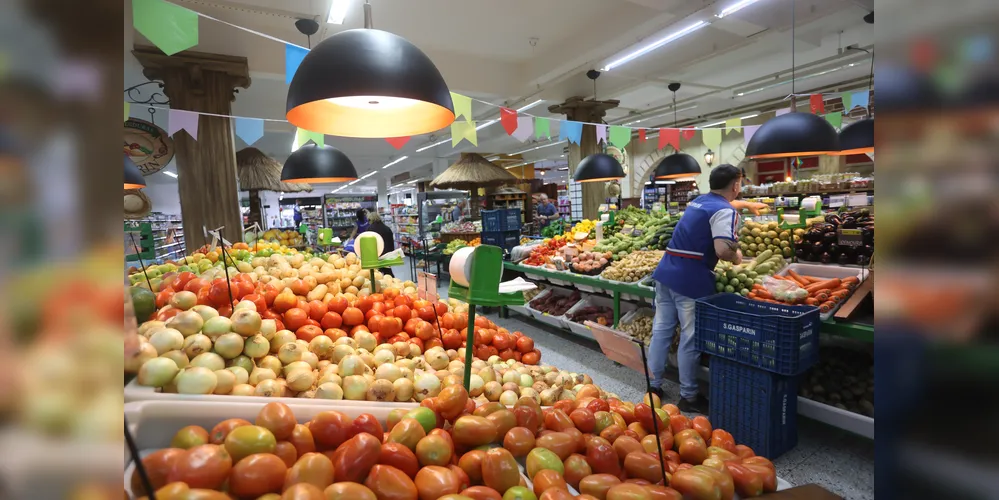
x=383, y=199
x=206, y=167
x=581, y=110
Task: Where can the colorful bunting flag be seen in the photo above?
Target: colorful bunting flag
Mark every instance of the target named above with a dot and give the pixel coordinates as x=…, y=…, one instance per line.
x=462, y=106
x=641, y=134
x=293, y=56
x=250, y=130
x=601, y=133
x=669, y=136
x=712, y=138
x=303, y=136
x=463, y=130
x=834, y=119
x=542, y=128
x=397, y=142
x=847, y=99
x=747, y=133
x=508, y=119
x=817, y=105
x=183, y=120
x=620, y=136
x=127, y=106
x=688, y=133
x=170, y=27
x=861, y=99
x=732, y=125
x=525, y=128
x=570, y=131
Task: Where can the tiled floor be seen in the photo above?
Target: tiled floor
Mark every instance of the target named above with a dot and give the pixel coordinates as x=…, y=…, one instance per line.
x=837, y=460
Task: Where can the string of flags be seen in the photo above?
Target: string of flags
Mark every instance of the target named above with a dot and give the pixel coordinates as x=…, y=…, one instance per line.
x=173, y=28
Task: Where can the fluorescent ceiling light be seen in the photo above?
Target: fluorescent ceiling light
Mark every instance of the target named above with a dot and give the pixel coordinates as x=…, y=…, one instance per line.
x=369, y=174
x=732, y=9
x=749, y=116
x=787, y=82
x=493, y=157
x=171, y=174
x=338, y=11
x=713, y=124
x=486, y=124
x=393, y=162
x=538, y=147
x=438, y=143
x=655, y=45
x=531, y=105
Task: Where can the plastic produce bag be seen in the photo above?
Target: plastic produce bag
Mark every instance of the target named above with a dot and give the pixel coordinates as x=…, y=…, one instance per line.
x=783, y=290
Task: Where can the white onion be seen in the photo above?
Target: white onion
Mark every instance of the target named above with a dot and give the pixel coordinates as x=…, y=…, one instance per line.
x=148, y=328
x=381, y=390
x=340, y=351
x=209, y=360
x=346, y=341
x=261, y=374
x=290, y=353
x=225, y=381
x=206, y=312
x=242, y=362
x=383, y=356
x=229, y=345
x=297, y=365
x=246, y=322
x=166, y=340
x=322, y=347
x=329, y=390
x=249, y=305
x=157, y=372
x=437, y=358
x=177, y=357
x=301, y=380
x=243, y=390
x=186, y=322
x=268, y=327
x=366, y=340
x=351, y=365
x=269, y=389
x=493, y=360
x=281, y=338
x=426, y=385
x=256, y=347
x=404, y=389
x=196, y=380
x=144, y=353
x=242, y=376
x=508, y=398
x=197, y=344
x=475, y=384
x=526, y=381
x=355, y=387
x=511, y=376
x=270, y=362
x=310, y=358
x=329, y=377
x=216, y=326
x=388, y=372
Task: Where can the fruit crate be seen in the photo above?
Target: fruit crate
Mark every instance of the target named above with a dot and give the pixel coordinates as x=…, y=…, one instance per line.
x=782, y=339
x=510, y=219
x=593, y=300
x=759, y=408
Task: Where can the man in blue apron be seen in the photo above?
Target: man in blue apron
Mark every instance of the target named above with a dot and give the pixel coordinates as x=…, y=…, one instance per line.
x=706, y=233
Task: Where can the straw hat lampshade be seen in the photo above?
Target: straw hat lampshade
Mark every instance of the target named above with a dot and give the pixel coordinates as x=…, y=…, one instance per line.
x=258, y=172
x=472, y=172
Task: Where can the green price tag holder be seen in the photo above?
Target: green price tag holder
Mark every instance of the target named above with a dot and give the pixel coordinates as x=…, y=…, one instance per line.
x=325, y=235
x=369, y=248
x=143, y=234
x=482, y=290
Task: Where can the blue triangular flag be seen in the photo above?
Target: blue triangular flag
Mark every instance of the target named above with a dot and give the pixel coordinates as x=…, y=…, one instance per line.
x=249, y=129
x=861, y=99
x=573, y=131
x=293, y=56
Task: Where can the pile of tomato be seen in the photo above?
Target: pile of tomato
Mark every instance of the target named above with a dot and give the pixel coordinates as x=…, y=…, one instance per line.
x=449, y=448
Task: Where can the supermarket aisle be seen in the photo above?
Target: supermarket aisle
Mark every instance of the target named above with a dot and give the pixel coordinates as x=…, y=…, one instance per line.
x=837, y=460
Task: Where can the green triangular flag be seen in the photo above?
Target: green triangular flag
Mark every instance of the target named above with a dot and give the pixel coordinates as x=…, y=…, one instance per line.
x=733, y=125
x=303, y=136
x=126, y=111
x=835, y=119
x=847, y=98
x=170, y=27
x=620, y=136
x=462, y=106
x=711, y=137
x=463, y=130
x=542, y=128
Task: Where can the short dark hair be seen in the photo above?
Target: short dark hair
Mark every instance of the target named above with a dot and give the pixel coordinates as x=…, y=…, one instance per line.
x=723, y=176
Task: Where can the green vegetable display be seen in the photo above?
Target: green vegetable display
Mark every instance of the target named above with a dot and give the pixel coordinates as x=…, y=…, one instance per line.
x=740, y=279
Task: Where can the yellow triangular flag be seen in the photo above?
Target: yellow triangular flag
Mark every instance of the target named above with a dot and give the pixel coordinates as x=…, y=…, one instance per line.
x=733, y=125
x=462, y=106
x=127, y=106
x=463, y=130
x=711, y=137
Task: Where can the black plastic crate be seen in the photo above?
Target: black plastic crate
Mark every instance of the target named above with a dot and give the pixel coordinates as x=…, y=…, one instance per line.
x=759, y=408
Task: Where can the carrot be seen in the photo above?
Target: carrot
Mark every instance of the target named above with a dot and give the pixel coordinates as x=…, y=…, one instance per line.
x=840, y=293
x=850, y=279
x=764, y=294
x=821, y=296
x=826, y=307
x=811, y=301
x=797, y=277
x=751, y=295
x=823, y=285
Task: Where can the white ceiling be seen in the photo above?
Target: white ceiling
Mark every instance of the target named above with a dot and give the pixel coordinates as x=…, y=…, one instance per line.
x=513, y=52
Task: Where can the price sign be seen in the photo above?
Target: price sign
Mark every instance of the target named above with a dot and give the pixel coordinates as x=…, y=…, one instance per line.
x=837, y=201
x=849, y=237
x=858, y=200
x=426, y=286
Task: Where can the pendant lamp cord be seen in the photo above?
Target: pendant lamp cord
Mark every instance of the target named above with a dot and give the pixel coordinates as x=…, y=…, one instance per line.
x=792, y=49
x=368, y=23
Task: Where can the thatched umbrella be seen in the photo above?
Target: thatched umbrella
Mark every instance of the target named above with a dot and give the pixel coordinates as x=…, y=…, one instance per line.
x=259, y=172
x=470, y=173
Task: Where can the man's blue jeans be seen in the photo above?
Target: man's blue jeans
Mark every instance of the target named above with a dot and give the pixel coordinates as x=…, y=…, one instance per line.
x=670, y=307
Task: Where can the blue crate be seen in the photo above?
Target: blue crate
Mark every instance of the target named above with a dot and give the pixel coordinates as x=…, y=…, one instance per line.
x=510, y=220
x=492, y=221
x=759, y=408
x=511, y=239
x=776, y=338
x=503, y=239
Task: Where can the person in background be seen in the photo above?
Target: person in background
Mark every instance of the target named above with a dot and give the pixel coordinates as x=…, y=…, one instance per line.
x=297, y=216
x=456, y=211
x=362, y=223
x=707, y=232
x=376, y=225
x=547, y=211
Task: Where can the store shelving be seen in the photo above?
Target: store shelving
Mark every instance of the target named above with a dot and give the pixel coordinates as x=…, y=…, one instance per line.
x=168, y=235
x=340, y=212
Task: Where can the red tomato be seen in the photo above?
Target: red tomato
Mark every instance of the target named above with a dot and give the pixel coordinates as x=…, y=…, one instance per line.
x=331, y=320
x=295, y=318
x=525, y=344
x=195, y=284
x=452, y=340
x=159, y=465
x=503, y=341
x=354, y=458
x=259, y=301
x=387, y=482
x=317, y=310
x=183, y=279
x=204, y=466
x=330, y=428
x=163, y=297
x=257, y=475
x=243, y=288
x=399, y=456
x=367, y=422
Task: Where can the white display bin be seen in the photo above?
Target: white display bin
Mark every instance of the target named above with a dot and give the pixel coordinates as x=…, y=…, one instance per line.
x=556, y=321
x=828, y=272
x=583, y=330
x=136, y=392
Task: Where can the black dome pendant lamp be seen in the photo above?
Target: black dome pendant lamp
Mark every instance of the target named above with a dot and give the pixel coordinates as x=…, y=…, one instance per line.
x=597, y=168
x=311, y=163
x=368, y=83
x=793, y=134
x=677, y=165
x=858, y=137
x=133, y=177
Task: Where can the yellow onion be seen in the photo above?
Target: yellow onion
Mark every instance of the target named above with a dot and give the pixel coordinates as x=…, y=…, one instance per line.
x=226, y=380
x=322, y=347
x=178, y=357
x=209, y=360
x=243, y=390
x=243, y=362
x=310, y=358
x=166, y=340
x=206, y=312
x=381, y=390
x=196, y=380
x=271, y=362
x=329, y=390
x=355, y=387
x=290, y=353
x=157, y=372
x=269, y=389
x=256, y=347
x=186, y=322
x=246, y=322
x=404, y=389
x=268, y=327
x=260, y=374
x=281, y=338
x=229, y=345
x=197, y=344
x=301, y=380
x=217, y=326
x=144, y=353
x=242, y=376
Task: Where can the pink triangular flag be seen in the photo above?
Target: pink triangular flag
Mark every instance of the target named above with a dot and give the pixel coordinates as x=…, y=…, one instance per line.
x=397, y=142
x=669, y=136
x=688, y=133
x=748, y=131
x=179, y=119
x=525, y=128
x=601, y=133
x=508, y=118
x=641, y=134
